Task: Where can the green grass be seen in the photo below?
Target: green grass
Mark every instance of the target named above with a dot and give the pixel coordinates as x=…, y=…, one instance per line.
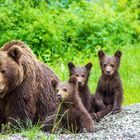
x=129, y=71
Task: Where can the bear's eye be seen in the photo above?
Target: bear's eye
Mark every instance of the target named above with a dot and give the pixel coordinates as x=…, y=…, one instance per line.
x=57, y=90
x=105, y=65
x=77, y=75
x=65, y=90
x=112, y=65
x=3, y=71
x=83, y=75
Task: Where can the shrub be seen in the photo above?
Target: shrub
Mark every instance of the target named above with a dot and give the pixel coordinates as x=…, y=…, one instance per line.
x=57, y=29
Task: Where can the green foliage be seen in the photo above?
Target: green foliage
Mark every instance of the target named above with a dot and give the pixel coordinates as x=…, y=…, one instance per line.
x=69, y=26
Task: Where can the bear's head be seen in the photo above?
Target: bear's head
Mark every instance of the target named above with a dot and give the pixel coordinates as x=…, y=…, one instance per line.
x=65, y=91
x=82, y=73
x=11, y=72
x=109, y=64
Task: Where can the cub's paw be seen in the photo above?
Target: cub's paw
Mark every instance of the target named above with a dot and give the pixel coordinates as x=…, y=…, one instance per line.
x=116, y=110
x=95, y=116
x=90, y=130
x=84, y=130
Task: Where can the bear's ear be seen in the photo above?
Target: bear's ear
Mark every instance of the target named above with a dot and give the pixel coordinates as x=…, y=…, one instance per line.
x=118, y=54
x=15, y=52
x=88, y=65
x=54, y=83
x=71, y=65
x=101, y=53
x=73, y=80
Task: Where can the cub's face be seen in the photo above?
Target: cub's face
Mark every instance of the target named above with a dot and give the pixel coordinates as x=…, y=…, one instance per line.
x=109, y=64
x=10, y=71
x=82, y=73
x=64, y=90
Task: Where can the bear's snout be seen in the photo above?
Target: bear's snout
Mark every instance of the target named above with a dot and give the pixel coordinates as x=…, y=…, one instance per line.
x=81, y=81
x=1, y=88
x=108, y=72
x=59, y=97
x=2, y=84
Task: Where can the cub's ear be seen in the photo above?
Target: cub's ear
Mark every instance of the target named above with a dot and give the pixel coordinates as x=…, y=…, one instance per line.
x=71, y=65
x=54, y=83
x=118, y=54
x=73, y=80
x=15, y=52
x=88, y=65
x=101, y=53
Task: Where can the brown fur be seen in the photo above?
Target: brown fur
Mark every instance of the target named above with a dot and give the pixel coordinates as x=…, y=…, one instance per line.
x=82, y=74
x=109, y=92
x=28, y=93
x=72, y=108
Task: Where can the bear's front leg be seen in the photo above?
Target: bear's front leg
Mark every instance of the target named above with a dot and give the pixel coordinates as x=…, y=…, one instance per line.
x=87, y=123
x=118, y=97
x=99, y=103
x=104, y=112
x=18, y=109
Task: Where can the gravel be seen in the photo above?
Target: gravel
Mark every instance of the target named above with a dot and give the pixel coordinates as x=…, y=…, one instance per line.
x=122, y=126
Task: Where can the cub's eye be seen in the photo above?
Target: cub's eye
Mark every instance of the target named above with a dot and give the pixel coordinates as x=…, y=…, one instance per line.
x=65, y=90
x=112, y=65
x=3, y=71
x=77, y=75
x=105, y=65
x=57, y=90
x=83, y=75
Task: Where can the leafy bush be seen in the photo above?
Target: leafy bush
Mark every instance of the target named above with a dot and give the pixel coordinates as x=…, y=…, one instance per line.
x=60, y=30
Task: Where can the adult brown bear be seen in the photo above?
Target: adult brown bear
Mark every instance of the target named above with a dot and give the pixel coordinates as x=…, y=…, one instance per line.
x=25, y=85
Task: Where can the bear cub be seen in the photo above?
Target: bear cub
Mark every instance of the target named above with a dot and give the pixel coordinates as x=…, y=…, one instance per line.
x=72, y=113
x=82, y=74
x=109, y=92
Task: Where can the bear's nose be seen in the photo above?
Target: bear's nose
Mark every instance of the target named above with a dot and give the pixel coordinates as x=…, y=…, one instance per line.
x=1, y=87
x=108, y=72
x=59, y=97
x=79, y=82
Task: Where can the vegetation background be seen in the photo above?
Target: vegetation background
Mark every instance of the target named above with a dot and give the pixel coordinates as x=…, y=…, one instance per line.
x=59, y=31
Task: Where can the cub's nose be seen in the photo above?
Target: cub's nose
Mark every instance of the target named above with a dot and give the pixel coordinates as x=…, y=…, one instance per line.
x=108, y=72
x=79, y=82
x=59, y=97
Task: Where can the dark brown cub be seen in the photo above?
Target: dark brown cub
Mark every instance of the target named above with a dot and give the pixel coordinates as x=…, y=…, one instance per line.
x=82, y=73
x=109, y=92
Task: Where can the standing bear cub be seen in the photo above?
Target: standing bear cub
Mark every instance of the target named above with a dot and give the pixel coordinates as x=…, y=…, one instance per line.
x=82, y=74
x=109, y=92
x=73, y=115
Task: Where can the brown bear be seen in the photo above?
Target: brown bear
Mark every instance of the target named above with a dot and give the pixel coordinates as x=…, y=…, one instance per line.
x=109, y=93
x=73, y=115
x=25, y=85
x=82, y=74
